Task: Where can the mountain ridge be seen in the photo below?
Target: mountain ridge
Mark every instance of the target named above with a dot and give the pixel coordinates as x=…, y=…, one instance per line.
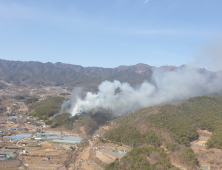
x=56, y=74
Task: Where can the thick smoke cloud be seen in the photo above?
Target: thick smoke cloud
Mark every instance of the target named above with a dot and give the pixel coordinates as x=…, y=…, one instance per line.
x=166, y=87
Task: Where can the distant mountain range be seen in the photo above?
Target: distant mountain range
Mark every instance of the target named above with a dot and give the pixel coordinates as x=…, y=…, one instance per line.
x=49, y=74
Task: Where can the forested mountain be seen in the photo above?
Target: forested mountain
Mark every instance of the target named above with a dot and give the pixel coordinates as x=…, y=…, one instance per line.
x=173, y=126
x=37, y=73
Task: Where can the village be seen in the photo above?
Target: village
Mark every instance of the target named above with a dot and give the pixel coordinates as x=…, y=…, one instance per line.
x=27, y=142
x=41, y=92
x=34, y=145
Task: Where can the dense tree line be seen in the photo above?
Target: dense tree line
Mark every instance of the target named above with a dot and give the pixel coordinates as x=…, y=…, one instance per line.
x=137, y=160
x=31, y=100
x=215, y=140
x=47, y=108
x=131, y=136
x=64, y=119
x=18, y=97
x=180, y=120
x=90, y=122
x=183, y=120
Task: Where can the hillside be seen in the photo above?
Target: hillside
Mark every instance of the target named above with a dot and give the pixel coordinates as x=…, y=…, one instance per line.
x=172, y=126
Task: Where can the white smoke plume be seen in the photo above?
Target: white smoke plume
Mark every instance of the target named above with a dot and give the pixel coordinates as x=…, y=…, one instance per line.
x=166, y=87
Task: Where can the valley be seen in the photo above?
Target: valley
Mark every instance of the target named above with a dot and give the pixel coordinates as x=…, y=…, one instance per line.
x=99, y=150
x=177, y=135
x=110, y=85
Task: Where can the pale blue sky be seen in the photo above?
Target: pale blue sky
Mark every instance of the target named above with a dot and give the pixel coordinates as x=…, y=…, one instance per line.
x=108, y=33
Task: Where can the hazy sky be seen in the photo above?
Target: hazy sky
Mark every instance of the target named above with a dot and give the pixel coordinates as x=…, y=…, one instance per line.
x=109, y=33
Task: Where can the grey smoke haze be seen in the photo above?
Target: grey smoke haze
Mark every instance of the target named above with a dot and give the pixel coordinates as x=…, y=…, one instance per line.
x=166, y=87
x=67, y=106
x=210, y=56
